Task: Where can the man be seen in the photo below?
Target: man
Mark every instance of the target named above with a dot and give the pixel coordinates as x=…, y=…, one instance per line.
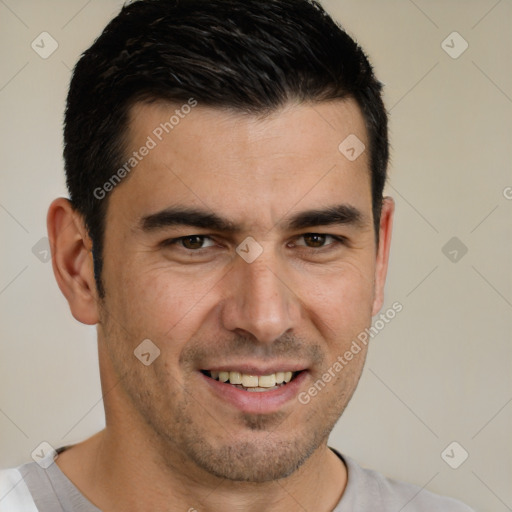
x=227, y=233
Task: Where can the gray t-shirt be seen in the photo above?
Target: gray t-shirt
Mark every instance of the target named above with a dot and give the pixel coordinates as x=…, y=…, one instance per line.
x=49, y=490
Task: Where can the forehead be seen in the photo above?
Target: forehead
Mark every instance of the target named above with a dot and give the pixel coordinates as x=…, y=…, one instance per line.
x=231, y=161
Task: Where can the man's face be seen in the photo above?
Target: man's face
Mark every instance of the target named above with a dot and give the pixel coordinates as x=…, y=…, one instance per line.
x=179, y=281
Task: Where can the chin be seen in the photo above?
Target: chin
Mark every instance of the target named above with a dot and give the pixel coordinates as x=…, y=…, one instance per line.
x=265, y=458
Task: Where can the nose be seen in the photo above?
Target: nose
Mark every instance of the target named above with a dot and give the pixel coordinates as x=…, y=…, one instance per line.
x=259, y=300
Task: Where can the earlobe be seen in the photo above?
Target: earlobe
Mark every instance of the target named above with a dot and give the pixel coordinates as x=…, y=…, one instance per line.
x=381, y=267
x=72, y=260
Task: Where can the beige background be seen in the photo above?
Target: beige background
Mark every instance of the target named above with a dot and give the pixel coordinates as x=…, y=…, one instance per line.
x=441, y=371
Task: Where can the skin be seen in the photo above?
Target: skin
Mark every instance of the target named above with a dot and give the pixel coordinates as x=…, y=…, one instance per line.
x=170, y=442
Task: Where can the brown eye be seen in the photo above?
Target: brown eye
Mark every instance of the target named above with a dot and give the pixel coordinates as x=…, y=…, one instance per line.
x=318, y=241
x=314, y=239
x=193, y=242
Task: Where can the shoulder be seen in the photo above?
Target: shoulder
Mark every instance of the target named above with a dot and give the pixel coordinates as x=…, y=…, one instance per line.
x=40, y=486
x=367, y=488
x=14, y=493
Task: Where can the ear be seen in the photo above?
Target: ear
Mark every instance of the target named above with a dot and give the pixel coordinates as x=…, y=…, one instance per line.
x=72, y=260
x=381, y=266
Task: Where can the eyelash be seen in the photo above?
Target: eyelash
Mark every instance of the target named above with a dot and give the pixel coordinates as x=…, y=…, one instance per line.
x=338, y=240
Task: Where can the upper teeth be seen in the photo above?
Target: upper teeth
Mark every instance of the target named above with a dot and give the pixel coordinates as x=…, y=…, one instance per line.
x=253, y=381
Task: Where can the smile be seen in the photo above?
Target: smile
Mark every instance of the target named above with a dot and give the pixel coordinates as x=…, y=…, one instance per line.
x=252, y=383
x=253, y=388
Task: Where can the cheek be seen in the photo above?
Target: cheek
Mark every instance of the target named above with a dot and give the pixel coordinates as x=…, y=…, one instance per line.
x=162, y=303
x=341, y=301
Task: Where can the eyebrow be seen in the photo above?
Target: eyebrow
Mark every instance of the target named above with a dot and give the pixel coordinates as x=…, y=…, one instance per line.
x=179, y=216
x=342, y=214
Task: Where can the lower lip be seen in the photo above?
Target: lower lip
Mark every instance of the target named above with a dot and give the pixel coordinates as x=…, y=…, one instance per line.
x=256, y=402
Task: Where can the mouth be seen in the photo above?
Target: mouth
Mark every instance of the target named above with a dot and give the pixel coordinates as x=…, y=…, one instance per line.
x=255, y=390
x=252, y=383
